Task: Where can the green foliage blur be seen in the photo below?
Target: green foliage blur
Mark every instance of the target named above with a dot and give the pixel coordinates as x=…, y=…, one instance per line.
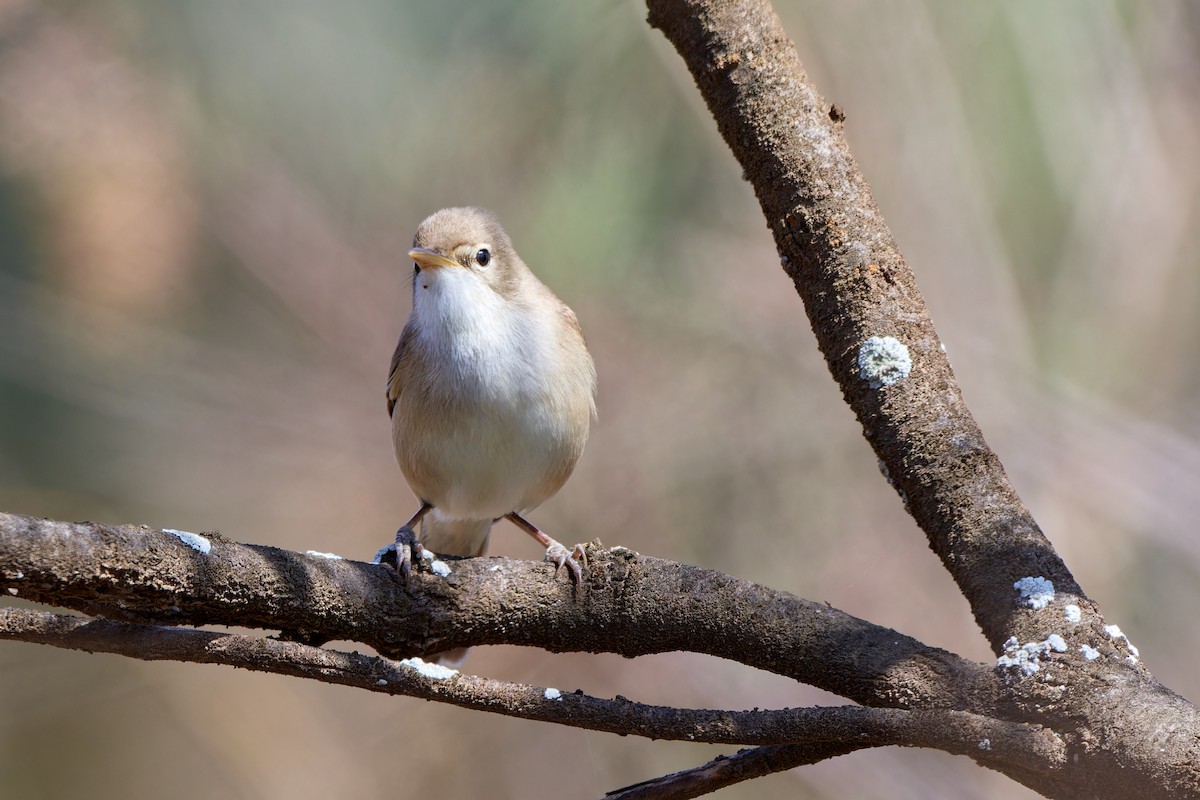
x=204, y=209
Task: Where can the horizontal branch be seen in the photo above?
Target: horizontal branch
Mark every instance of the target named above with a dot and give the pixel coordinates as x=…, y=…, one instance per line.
x=629, y=604
x=951, y=731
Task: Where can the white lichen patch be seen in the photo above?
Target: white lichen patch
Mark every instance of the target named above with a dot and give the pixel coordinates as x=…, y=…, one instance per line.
x=1072, y=613
x=819, y=142
x=439, y=567
x=192, y=540
x=381, y=682
x=1089, y=652
x=435, y=672
x=986, y=744
x=1035, y=592
x=1114, y=631
x=1027, y=657
x=883, y=360
x=553, y=694
x=319, y=554
x=427, y=554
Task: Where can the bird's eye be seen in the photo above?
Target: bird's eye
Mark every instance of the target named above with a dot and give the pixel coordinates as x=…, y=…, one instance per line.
x=483, y=256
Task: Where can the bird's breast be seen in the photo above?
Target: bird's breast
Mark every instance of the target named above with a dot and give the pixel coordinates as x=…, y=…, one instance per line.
x=494, y=418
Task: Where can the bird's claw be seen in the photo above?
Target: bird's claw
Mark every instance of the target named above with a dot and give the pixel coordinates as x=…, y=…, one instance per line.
x=560, y=557
x=401, y=552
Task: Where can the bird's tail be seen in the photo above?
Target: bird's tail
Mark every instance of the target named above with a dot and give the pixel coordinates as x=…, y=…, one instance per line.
x=454, y=537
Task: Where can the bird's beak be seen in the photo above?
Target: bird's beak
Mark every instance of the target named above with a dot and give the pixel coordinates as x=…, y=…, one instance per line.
x=429, y=259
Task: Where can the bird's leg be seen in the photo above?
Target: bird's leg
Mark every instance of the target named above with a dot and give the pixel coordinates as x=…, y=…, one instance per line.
x=407, y=542
x=556, y=554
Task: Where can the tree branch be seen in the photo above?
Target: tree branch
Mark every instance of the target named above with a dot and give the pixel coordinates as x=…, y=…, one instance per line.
x=878, y=340
x=855, y=285
x=953, y=731
x=630, y=604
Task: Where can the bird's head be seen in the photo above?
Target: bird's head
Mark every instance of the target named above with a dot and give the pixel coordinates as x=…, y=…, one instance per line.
x=458, y=246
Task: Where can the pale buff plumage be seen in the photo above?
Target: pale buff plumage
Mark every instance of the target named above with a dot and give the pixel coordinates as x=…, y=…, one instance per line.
x=491, y=390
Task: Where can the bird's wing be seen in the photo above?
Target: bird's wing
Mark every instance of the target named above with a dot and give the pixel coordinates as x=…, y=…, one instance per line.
x=569, y=315
x=394, y=373
x=573, y=324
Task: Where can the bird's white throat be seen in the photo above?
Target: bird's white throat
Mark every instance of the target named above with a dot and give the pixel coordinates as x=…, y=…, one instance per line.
x=489, y=345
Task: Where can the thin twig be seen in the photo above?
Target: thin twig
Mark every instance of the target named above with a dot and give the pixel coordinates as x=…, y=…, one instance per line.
x=725, y=771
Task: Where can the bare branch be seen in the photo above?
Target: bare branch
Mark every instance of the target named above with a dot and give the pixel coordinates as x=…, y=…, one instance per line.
x=952, y=731
x=880, y=345
x=630, y=604
x=855, y=284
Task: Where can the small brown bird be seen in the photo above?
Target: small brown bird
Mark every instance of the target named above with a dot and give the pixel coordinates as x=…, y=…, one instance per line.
x=491, y=392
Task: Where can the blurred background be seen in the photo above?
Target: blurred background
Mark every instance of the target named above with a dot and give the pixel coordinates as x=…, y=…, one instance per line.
x=204, y=209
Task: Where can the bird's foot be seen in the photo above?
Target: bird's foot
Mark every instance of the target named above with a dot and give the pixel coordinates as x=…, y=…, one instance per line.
x=407, y=544
x=560, y=557
x=556, y=554
x=400, y=553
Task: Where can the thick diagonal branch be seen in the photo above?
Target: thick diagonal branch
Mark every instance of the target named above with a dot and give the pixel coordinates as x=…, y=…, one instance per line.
x=1132, y=735
x=855, y=285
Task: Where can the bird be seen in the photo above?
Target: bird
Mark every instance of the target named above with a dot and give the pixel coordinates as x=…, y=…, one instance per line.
x=491, y=392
